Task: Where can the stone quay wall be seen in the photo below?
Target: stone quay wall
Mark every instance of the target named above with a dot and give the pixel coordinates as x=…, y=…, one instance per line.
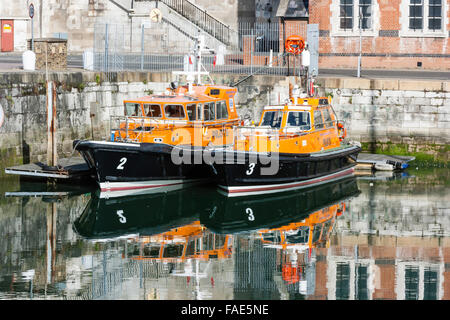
x=416, y=114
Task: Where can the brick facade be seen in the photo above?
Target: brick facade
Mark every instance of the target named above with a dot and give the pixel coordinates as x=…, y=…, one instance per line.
x=388, y=42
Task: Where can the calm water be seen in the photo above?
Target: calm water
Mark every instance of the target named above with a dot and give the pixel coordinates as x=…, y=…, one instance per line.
x=382, y=237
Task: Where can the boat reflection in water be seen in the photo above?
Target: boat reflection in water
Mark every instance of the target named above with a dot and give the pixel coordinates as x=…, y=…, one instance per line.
x=186, y=230
x=161, y=226
x=233, y=215
x=201, y=208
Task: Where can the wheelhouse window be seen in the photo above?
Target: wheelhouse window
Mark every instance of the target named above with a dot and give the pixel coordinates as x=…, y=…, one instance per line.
x=133, y=109
x=192, y=111
x=208, y=111
x=273, y=119
x=221, y=110
x=318, y=121
x=299, y=119
x=152, y=250
x=173, y=251
x=327, y=117
x=152, y=110
x=174, y=111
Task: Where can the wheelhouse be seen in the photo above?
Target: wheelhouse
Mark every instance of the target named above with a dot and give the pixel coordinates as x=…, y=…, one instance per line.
x=304, y=118
x=156, y=118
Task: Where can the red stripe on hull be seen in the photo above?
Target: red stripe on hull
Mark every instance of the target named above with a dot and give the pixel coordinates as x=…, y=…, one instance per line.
x=304, y=183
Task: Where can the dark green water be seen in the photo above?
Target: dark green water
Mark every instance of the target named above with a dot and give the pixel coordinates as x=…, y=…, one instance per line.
x=382, y=237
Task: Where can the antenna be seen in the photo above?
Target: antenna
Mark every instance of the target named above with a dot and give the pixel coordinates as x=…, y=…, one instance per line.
x=198, y=50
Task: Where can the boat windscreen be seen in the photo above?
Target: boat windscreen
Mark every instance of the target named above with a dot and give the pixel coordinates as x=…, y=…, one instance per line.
x=152, y=110
x=174, y=111
x=133, y=109
x=299, y=119
x=221, y=110
x=272, y=118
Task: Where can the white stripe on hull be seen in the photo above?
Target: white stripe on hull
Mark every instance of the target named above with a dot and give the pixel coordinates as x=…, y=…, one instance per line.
x=264, y=189
x=119, y=189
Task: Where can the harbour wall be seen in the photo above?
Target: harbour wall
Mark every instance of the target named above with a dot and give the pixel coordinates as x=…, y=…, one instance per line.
x=377, y=113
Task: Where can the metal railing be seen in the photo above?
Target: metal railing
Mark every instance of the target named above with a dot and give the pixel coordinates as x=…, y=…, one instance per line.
x=256, y=49
x=200, y=18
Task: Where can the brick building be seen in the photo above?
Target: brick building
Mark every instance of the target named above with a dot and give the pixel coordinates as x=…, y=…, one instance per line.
x=401, y=34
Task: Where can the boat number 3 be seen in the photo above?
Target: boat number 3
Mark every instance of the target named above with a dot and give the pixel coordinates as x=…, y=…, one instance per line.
x=251, y=167
x=121, y=163
x=249, y=212
x=122, y=219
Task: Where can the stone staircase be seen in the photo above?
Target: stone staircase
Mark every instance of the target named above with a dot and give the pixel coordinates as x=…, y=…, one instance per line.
x=200, y=18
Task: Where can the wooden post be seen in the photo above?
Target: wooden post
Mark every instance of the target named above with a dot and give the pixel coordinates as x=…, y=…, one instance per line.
x=51, y=124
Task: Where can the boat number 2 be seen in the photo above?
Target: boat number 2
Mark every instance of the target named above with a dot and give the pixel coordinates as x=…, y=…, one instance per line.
x=249, y=212
x=251, y=167
x=121, y=163
x=122, y=219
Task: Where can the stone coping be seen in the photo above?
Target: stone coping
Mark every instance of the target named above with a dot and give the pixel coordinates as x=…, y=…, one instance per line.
x=76, y=76
x=384, y=84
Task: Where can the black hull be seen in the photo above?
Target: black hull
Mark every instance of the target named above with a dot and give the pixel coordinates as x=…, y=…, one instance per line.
x=135, y=167
x=143, y=215
x=147, y=215
x=235, y=215
x=249, y=174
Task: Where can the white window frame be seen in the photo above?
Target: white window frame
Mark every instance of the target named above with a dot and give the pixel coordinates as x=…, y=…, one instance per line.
x=405, y=31
x=421, y=265
x=335, y=20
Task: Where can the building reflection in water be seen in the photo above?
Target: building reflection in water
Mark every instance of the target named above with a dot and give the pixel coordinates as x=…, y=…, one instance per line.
x=351, y=239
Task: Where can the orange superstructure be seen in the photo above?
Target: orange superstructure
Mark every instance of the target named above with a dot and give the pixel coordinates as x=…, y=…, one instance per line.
x=188, y=115
x=306, y=125
x=192, y=241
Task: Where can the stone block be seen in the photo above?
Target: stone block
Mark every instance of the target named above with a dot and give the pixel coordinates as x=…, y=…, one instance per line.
x=413, y=85
x=386, y=84
x=444, y=125
x=434, y=94
x=356, y=83
x=362, y=100
x=411, y=124
x=446, y=86
x=414, y=94
x=428, y=109
x=436, y=102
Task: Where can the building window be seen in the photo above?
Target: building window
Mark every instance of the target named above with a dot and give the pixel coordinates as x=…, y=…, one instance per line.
x=416, y=14
x=428, y=10
x=346, y=17
x=363, y=14
x=365, y=11
x=411, y=283
x=435, y=15
x=342, y=281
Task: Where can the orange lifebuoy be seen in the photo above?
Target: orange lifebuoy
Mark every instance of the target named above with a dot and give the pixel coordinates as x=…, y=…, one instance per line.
x=294, y=44
x=342, y=132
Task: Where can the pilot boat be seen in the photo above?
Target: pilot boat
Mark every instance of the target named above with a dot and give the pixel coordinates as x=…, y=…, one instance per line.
x=295, y=145
x=155, y=132
x=158, y=143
